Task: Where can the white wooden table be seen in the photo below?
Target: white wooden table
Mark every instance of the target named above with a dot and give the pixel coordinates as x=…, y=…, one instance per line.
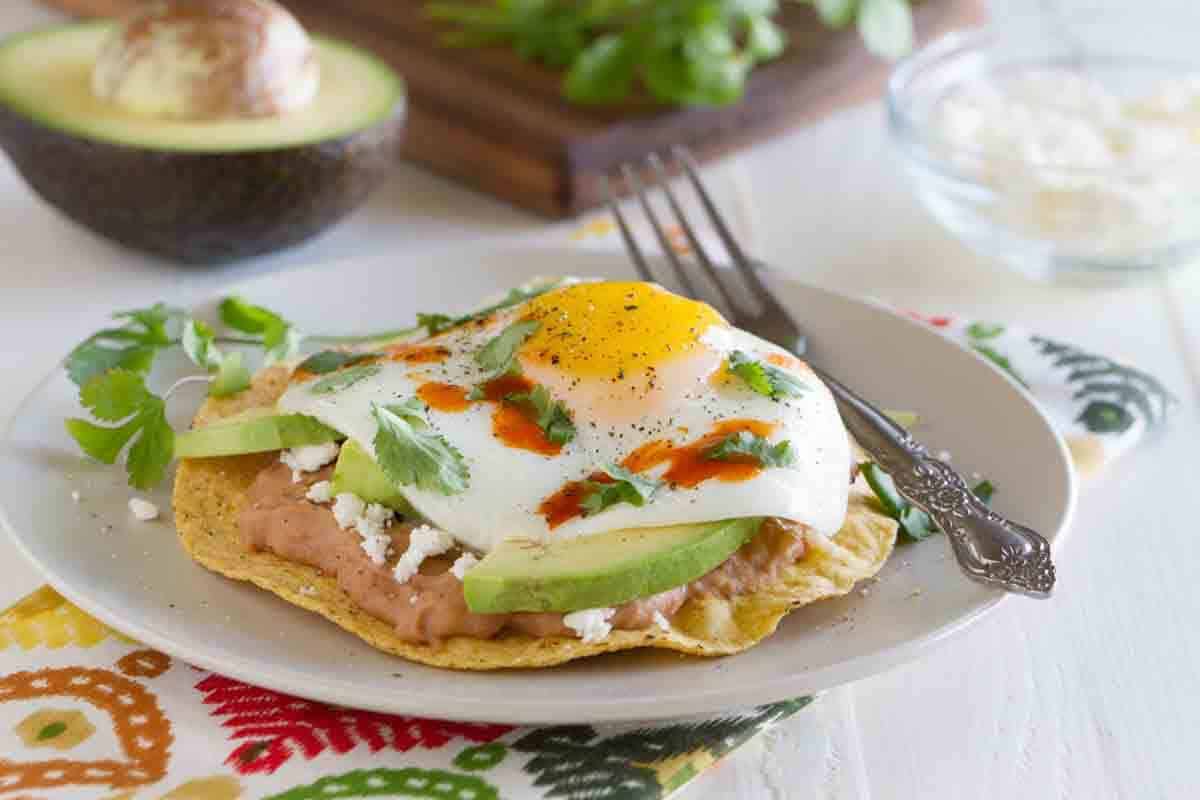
x=1094, y=694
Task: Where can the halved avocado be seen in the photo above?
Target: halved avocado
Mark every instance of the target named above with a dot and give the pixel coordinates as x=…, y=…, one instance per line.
x=195, y=191
x=258, y=430
x=605, y=569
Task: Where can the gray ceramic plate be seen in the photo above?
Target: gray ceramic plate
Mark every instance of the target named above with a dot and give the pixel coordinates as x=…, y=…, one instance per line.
x=136, y=578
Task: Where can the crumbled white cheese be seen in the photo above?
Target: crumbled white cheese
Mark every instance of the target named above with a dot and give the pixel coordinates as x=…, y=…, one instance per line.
x=462, y=564
x=75, y=495
x=142, y=510
x=662, y=621
x=423, y=542
x=591, y=624
x=374, y=520
x=376, y=546
x=347, y=508
x=320, y=492
x=308, y=458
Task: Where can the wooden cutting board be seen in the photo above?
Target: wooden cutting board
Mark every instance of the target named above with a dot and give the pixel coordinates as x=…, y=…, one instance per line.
x=489, y=119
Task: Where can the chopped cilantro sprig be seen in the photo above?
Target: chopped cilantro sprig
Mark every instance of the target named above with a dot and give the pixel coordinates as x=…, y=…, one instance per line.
x=747, y=445
x=764, y=378
x=626, y=487
x=549, y=414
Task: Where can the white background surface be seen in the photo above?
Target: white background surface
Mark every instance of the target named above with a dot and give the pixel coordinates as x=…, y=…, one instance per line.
x=1094, y=694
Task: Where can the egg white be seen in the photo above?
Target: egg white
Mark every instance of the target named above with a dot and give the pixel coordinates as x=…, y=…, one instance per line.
x=507, y=485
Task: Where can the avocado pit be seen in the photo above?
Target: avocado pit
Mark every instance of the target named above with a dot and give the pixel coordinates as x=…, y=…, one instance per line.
x=167, y=133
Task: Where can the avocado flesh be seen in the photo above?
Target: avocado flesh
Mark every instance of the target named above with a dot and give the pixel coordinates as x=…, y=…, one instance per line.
x=259, y=431
x=601, y=570
x=201, y=192
x=46, y=75
x=357, y=473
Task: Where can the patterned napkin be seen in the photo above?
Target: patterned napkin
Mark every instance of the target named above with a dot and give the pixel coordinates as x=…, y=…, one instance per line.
x=88, y=713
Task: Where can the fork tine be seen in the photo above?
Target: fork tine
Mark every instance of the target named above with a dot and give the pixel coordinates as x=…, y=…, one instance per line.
x=697, y=248
x=680, y=273
x=631, y=245
x=684, y=157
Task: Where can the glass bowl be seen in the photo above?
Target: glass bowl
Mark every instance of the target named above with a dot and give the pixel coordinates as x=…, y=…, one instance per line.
x=1063, y=153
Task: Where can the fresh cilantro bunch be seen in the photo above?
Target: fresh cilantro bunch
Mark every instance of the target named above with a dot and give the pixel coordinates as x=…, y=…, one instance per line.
x=684, y=52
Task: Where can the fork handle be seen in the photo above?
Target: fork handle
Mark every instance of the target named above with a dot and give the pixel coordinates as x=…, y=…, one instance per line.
x=988, y=547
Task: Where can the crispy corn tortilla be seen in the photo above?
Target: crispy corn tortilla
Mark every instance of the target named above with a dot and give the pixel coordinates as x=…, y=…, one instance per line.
x=209, y=493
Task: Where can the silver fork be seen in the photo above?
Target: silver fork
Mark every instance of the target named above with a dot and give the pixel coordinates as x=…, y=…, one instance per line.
x=989, y=548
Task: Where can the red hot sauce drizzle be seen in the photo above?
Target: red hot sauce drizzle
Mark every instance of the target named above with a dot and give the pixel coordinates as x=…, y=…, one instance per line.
x=688, y=466
x=510, y=423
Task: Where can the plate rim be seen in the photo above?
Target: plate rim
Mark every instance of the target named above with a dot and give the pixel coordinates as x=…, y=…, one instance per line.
x=731, y=696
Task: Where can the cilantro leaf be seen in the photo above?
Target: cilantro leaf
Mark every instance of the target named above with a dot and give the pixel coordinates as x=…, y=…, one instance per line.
x=280, y=339
x=626, y=487
x=499, y=355
x=131, y=347
x=231, y=376
x=984, y=491
x=551, y=416
x=122, y=395
x=151, y=453
x=330, y=360
x=101, y=443
x=745, y=444
x=411, y=454
x=766, y=379
x=436, y=323
x=915, y=524
x=344, y=379
x=114, y=396
x=604, y=72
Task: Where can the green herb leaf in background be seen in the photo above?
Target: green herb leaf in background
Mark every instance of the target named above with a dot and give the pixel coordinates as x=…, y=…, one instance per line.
x=604, y=71
x=836, y=13
x=984, y=491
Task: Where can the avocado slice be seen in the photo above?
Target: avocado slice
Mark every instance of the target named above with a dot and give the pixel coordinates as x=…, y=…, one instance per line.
x=357, y=473
x=256, y=431
x=602, y=570
x=195, y=191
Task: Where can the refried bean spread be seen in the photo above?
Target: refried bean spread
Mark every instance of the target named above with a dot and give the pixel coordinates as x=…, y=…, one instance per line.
x=431, y=606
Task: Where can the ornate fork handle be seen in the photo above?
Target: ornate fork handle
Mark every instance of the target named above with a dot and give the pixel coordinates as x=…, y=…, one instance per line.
x=988, y=547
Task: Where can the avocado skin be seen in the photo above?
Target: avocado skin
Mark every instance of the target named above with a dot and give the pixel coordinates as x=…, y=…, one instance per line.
x=201, y=208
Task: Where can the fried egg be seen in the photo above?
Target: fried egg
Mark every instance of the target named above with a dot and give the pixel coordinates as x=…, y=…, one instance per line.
x=644, y=377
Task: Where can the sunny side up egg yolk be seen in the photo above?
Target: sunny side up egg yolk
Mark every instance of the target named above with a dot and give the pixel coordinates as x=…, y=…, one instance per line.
x=616, y=352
